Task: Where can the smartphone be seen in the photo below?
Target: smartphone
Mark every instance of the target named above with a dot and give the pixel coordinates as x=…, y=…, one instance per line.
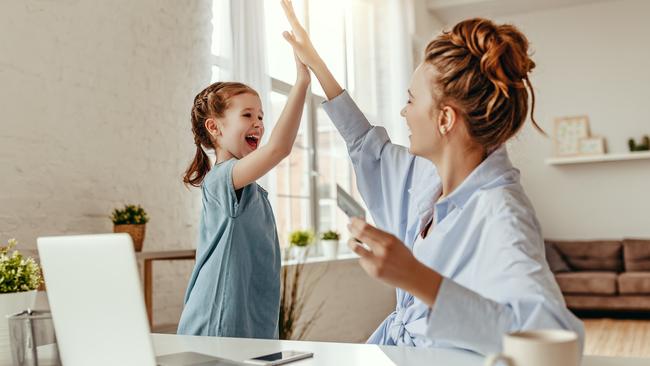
x=279, y=358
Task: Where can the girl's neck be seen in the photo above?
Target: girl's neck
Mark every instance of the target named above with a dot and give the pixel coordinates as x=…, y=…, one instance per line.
x=222, y=155
x=455, y=165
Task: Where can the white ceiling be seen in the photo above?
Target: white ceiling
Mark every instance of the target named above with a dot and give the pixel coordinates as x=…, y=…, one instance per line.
x=452, y=11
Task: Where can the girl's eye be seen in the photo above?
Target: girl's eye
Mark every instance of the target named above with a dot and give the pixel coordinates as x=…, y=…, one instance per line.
x=260, y=118
x=247, y=115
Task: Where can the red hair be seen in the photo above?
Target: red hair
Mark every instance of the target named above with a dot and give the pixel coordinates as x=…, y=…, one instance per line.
x=483, y=72
x=211, y=102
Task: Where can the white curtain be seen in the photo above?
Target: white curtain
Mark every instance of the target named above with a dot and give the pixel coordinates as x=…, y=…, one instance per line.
x=383, y=61
x=239, y=29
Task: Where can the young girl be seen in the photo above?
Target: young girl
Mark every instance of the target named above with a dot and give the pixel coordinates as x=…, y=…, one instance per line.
x=234, y=289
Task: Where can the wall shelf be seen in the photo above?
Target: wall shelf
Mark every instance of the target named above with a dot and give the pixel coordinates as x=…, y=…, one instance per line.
x=598, y=158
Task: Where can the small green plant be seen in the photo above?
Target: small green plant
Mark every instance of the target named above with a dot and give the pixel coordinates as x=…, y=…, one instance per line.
x=643, y=146
x=330, y=235
x=301, y=238
x=17, y=273
x=130, y=215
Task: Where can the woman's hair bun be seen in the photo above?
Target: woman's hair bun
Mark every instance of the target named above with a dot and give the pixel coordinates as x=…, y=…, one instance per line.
x=501, y=49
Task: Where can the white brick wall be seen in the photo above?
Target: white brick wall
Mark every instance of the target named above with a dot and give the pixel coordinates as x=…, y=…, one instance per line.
x=94, y=112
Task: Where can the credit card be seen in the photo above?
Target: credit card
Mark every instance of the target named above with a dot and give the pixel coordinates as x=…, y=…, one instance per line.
x=348, y=204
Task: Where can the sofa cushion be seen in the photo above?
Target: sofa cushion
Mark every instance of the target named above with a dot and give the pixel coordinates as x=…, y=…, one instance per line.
x=555, y=261
x=595, y=255
x=636, y=254
x=592, y=283
x=640, y=303
x=634, y=283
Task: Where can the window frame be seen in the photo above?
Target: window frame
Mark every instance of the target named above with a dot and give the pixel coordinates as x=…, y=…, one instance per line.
x=312, y=101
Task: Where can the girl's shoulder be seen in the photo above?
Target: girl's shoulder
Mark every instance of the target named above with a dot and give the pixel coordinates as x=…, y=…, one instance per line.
x=217, y=184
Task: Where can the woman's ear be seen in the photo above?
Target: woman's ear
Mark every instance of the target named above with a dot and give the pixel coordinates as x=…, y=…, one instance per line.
x=447, y=119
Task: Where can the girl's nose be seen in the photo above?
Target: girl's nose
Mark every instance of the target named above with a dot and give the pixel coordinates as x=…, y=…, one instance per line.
x=403, y=112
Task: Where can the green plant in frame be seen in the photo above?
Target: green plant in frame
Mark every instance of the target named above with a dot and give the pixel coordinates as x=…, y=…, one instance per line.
x=17, y=273
x=129, y=215
x=301, y=238
x=330, y=235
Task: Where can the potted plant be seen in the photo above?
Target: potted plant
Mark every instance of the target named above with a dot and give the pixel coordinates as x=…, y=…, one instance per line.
x=329, y=241
x=300, y=241
x=20, y=278
x=133, y=220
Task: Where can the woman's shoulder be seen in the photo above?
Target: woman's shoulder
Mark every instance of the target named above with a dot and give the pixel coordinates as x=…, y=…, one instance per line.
x=506, y=199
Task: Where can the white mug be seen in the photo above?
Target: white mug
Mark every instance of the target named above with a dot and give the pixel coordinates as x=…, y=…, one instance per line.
x=538, y=348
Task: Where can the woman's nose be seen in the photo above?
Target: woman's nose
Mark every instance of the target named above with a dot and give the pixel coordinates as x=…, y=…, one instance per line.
x=403, y=112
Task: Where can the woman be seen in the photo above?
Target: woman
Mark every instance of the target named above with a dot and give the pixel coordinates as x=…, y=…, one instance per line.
x=461, y=241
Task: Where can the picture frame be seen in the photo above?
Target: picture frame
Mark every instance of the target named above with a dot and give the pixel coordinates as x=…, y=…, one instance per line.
x=567, y=133
x=592, y=146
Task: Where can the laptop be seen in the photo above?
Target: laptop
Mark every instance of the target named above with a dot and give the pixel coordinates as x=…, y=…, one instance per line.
x=97, y=304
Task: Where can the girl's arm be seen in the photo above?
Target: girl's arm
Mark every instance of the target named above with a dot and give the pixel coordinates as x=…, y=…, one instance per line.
x=299, y=40
x=254, y=165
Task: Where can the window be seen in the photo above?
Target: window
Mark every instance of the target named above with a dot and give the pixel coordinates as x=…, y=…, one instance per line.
x=302, y=188
x=221, y=41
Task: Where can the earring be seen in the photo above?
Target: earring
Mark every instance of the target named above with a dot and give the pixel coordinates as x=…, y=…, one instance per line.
x=443, y=130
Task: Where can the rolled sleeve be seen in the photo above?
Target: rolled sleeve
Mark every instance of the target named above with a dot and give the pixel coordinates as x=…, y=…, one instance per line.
x=462, y=318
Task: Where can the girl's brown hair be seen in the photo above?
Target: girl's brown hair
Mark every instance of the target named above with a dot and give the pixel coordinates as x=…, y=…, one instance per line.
x=483, y=72
x=212, y=102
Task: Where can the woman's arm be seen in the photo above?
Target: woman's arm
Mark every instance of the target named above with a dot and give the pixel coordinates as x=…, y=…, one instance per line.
x=383, y=170
x=303, y=47
x=259, y=162
x=515, y=291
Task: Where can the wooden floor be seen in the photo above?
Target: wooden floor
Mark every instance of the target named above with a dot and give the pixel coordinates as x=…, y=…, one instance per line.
x=603, y=337
x=617, y=337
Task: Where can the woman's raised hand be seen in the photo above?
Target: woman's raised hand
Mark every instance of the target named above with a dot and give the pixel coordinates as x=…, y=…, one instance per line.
x=298, y=37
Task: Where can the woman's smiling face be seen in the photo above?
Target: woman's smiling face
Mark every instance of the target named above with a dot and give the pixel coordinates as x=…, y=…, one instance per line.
x=241, y=128
x=422, y=113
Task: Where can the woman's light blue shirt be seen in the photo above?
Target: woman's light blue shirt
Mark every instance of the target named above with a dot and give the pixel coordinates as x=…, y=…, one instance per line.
x=485, y=241
x=234, y=289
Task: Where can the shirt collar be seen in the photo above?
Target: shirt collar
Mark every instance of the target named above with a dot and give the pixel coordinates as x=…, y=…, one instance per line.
x=492, y=172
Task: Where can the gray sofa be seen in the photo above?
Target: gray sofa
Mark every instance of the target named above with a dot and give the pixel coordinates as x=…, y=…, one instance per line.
x=602, y=275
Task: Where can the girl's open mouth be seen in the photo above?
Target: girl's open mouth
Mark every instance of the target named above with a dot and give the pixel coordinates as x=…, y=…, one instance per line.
x=252, y=141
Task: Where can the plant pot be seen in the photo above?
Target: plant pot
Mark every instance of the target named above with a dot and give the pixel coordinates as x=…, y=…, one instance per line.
x=136, y=232
x=300, y=253
x=12, y=303
x=330, y=248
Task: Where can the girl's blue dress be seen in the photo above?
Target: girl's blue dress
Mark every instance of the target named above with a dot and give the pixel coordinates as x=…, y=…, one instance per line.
x=234, y=289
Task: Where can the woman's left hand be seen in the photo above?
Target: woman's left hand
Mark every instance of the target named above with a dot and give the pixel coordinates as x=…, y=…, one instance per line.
x=390, y=261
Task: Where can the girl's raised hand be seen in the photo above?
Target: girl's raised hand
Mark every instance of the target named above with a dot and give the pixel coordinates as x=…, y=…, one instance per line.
x=298, y=38
x=302, y=72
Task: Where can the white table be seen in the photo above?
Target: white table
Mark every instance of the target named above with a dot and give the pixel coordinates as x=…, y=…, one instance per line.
x=343, y=354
